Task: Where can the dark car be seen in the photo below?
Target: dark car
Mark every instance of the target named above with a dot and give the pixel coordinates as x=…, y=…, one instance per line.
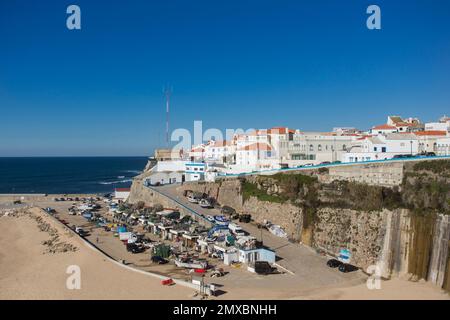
x=334, y=263
x=246, y=218
x=133, y=248
x=345, y=267
x=159, y=260
x=263, y=267
x=227, y=210
x=325, y=162
x=430, y=154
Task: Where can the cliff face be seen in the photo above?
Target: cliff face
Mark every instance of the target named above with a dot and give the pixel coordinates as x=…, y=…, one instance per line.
x=404, y=228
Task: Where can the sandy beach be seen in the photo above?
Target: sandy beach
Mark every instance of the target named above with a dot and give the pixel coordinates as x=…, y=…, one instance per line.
x=31, y=268
x=28, y=272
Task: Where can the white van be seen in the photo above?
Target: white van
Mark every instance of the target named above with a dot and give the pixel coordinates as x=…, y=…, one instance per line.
x=235, y=228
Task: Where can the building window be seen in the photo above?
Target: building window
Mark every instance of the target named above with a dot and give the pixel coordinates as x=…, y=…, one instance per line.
x=383, y=149
x=374, y=148
x=319, y=147
x=311, y=147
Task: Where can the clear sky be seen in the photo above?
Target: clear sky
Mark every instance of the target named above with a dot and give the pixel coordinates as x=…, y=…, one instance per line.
x=309, y=64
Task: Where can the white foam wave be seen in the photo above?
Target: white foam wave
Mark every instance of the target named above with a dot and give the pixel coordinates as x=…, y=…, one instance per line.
x=115, y=182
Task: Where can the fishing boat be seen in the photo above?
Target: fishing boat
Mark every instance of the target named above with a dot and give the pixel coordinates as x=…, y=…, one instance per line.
x=191, y=264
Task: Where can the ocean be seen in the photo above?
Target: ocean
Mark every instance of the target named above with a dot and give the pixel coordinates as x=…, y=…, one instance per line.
x=68, y=174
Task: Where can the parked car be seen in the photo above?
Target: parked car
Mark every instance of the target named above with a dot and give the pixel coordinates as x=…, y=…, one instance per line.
x=334, y=263
x=133, y=248
x=402, y=156
x=246, y=218
x=210, y=218
x=235, y=228
x=345, y=267
x=325, y=162
x=308, y=165
x=81, y=231
x=336, y=162
x=204, y=203
x=263, y=267
x=227, y=210
x=159, y=260
x=192, y=199
x=428, y=154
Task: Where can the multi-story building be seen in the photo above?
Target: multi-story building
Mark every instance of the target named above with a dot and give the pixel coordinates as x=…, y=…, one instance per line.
x=442, y=125
x=220, y=151
x=316, y=147
x=443, y=146
x=428, y=140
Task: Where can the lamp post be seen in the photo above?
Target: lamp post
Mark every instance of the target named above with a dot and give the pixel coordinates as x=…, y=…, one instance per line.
x=411, y=143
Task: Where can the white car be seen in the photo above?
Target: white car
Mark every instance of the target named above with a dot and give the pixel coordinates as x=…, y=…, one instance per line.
x=205, y=203
x=236, y=229
x=192, y=199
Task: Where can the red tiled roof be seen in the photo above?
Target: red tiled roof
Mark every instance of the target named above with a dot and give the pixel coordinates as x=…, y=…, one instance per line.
x=431, y=133
x=256, y=146
x=384, y=127
x=122, y=189
x=221, y=143
x=280, y=130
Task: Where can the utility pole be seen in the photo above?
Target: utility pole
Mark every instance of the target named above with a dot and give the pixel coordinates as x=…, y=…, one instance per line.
x=167, y=94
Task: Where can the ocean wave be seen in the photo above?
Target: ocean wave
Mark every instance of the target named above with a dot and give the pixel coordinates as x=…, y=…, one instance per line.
x=115, y=182
x=132, y=171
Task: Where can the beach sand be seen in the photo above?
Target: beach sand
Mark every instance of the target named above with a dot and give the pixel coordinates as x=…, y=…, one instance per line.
x=29, y=271
x=26, y=272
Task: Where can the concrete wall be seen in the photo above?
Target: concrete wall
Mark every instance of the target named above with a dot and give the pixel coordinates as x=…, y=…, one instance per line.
x=398, y=241
x=384, y=174
x=151, y=196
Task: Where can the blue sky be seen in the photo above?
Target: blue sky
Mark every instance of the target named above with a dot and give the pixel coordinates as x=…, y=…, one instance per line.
x=311, y=65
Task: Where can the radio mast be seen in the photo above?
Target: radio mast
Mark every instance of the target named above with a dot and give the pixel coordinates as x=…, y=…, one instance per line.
x=167, y=93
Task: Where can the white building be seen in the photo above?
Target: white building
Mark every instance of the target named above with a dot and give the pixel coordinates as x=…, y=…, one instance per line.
x=382, y=147
x=428, y=140
x=442, y=125
x=195, y=171
x=122, y=193
x=317, y=147
x=383, y=129
x=220, y=151
x=443, y=146
x=197, y=153
x=255, y=156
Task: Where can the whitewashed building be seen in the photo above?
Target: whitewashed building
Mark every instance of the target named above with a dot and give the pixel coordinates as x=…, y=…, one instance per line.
x=255, y=156
x=121, y=193
x=443, y=146
x=195, y=171
x=442, y=125
x=428, y=140
x=382, y=147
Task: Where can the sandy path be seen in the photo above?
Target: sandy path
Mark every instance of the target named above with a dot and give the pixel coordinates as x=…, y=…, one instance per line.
x=27, y=273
